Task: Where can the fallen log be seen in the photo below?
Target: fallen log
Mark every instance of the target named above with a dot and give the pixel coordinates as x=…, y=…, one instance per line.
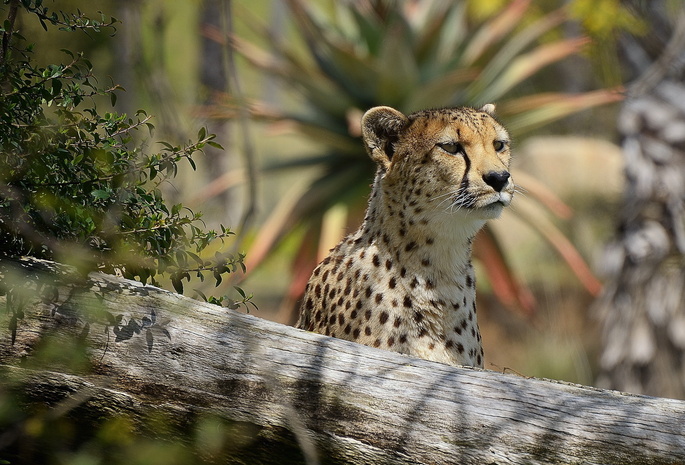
x=299, y=397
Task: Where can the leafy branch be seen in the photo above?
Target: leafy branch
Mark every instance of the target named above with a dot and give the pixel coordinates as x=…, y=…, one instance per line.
x=76, y=185
x=67, y=21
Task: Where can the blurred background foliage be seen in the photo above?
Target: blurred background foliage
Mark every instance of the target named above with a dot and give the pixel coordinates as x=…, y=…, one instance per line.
x=283, y=85
x=409, y=56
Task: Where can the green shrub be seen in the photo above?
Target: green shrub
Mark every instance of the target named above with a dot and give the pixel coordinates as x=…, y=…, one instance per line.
x=77, y=185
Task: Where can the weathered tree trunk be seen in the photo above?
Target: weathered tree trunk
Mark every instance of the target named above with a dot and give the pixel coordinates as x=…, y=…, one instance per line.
x=300, y=396
x=642, y=308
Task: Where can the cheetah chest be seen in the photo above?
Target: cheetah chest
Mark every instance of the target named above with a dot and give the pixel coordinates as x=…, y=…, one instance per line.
x=364, y=294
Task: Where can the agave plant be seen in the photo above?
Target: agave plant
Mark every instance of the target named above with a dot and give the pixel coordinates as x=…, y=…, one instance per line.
x=408, y=55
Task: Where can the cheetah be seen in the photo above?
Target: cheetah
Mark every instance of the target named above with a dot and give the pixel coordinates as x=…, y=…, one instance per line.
x=404, y=280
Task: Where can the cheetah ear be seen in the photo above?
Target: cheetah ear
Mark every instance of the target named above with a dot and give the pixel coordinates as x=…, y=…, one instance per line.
x=488, y=108
x=380, y=128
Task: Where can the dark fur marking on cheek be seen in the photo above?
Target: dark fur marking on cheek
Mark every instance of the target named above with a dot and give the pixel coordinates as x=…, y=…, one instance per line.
x=465, y=180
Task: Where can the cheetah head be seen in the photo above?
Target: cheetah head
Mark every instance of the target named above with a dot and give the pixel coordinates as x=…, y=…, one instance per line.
x=457, y=159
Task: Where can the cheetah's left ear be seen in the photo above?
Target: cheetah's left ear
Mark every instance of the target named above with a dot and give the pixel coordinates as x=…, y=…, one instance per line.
x=380, y=128
x=488, y=108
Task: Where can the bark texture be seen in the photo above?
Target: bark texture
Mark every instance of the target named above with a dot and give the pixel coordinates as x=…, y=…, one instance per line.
x=642, y=308
x=306, y=398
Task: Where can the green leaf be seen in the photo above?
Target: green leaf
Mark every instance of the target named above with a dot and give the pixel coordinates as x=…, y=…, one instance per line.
x=217, y=277
x=216, y=145
x=201, y=294
x=240, y=291
x=100, y=194
x=195, y=257
x=178, y=285
x=56, y=87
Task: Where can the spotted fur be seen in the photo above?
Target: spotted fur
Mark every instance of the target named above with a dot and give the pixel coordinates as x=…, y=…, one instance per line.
x=404, y=280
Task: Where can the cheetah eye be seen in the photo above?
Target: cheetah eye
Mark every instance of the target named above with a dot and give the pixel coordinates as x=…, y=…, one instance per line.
x=452, y=147
x=499, y=145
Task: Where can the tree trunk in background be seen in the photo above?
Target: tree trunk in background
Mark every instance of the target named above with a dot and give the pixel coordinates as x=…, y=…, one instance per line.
x=642, y=309
x=214, y=80
x=127, y=55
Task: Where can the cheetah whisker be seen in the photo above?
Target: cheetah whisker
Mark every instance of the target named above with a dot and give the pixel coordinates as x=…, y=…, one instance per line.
x=458, y=201
x=445, y=197
x=462, y=200
x=520, y=190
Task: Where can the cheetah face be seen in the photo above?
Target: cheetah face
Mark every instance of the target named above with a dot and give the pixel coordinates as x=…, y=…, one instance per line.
x=457, y=158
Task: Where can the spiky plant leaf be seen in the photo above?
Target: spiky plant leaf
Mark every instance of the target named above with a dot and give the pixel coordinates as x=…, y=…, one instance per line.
x=409, y=55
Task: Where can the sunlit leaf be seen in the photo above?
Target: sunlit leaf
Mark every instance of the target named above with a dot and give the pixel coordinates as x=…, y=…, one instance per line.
x=492, y=32
x=527, y=65
x=537, y=110
x=502, y=278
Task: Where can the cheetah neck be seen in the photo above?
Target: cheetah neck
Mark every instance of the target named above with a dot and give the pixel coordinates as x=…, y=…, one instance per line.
x=431, y=240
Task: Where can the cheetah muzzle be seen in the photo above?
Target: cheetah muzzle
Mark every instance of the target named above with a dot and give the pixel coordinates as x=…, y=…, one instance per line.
x=404, y=280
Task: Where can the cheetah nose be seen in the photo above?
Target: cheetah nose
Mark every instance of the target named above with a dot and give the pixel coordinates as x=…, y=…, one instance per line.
x=496, y=179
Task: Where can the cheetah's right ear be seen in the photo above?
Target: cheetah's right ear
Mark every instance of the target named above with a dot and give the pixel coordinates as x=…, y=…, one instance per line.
x=488, y=108
x=380, y=128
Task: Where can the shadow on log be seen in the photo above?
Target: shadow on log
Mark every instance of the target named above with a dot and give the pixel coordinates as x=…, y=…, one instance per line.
x=168, y=363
